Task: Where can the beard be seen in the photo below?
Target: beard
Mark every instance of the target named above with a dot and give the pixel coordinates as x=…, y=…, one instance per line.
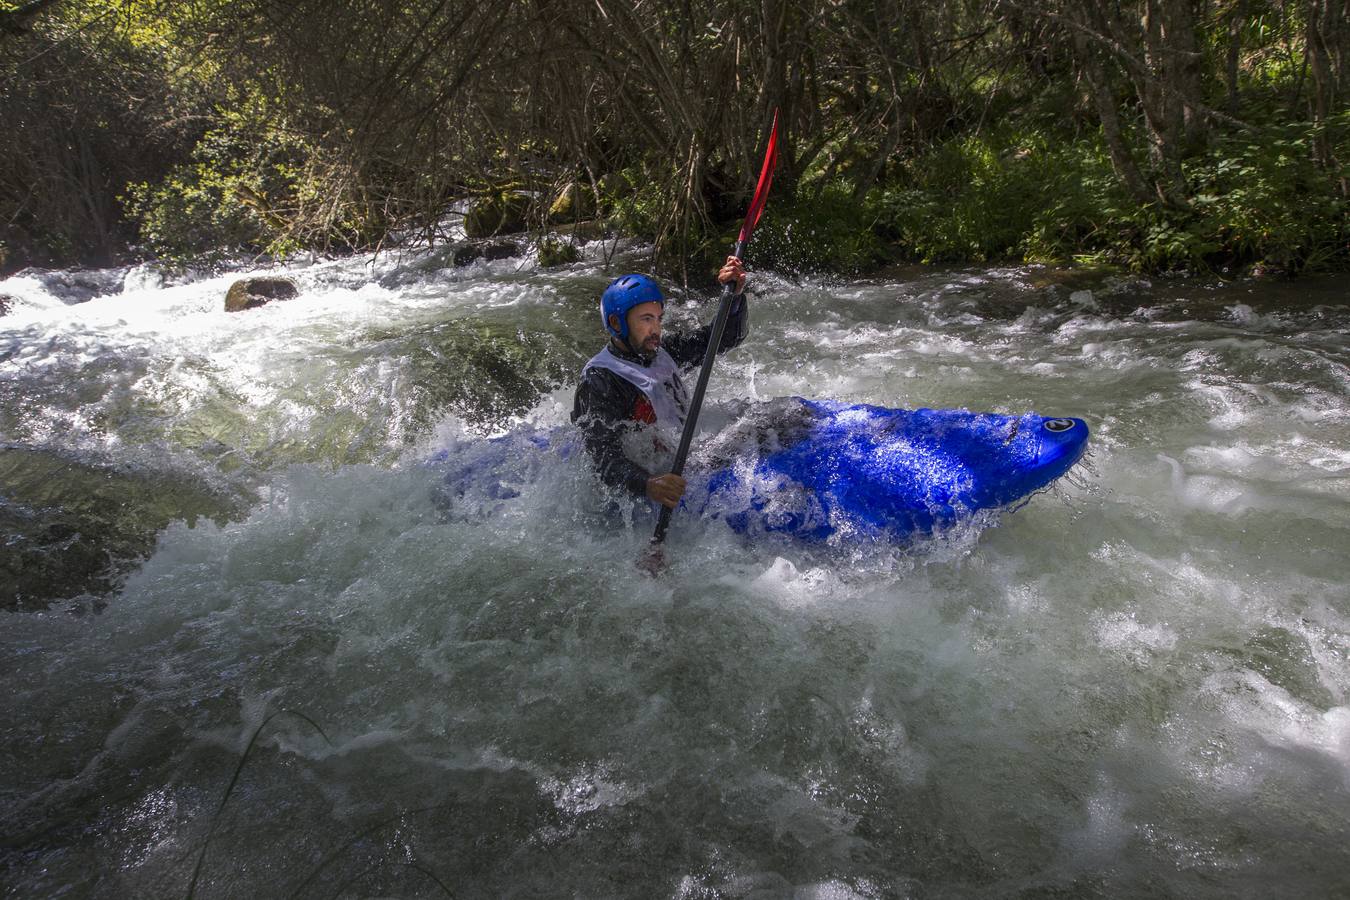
x=647, y=349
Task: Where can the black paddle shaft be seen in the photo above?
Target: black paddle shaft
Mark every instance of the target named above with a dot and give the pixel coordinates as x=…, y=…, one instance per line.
x=719, y=327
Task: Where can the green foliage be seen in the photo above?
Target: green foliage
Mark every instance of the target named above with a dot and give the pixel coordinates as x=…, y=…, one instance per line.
x=1264, y=199
x=823, y=230
x=937, y=133
x=635, y=202
x=1003, y=196
x=244, y=177
x=195, y=212
x=85, y=108
x=1256, y=199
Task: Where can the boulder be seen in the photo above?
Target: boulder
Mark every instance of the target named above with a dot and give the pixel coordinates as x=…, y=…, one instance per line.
x=465, y=253
x=592, y=230
x=615, y=185
x=504, y=213
x=248, y=293
x=573, y=202
x=72, y=286
x=557, y=253
x=501, y=250
x=73, y=526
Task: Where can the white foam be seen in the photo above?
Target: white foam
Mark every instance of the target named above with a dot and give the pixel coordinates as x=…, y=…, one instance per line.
x=1121, y=632
x=1253, y=704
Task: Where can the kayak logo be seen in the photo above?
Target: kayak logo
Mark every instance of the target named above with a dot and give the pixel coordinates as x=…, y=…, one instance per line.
x=1058, y=425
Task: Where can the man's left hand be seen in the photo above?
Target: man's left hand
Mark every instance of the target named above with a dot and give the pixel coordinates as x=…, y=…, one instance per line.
x=733, y=270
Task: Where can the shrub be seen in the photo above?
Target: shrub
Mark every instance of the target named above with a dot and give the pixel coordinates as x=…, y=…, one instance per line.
x=824, y=229
x=234, y=196
x=1265, y=200
x=1254, y=200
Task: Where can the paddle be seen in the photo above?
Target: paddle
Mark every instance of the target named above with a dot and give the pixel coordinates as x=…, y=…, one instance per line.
x=752, y=215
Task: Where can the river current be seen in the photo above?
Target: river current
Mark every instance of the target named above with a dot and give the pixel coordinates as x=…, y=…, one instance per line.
x=250, y=649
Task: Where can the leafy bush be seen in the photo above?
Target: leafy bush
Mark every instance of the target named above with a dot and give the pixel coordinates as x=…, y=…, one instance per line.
x=1264, y=199
x=1255, y=200
x=823, y=230
x=635, y=201
x=244, y=177
x=1002, y=196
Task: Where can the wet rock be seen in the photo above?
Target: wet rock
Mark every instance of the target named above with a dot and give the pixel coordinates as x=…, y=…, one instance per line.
x=248, y=293
x=450, y=255
x=573, y=202
x=557, y=253
x=592, y=230
x=1072, y=279
x=77, y=526
x=465, y=253
x=502, y=250
x=76, y=285
x=504, y=213
x=1276, y=267
x=6, y=304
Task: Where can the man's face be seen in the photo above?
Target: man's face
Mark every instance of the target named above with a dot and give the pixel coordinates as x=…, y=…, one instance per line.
x=644, y=327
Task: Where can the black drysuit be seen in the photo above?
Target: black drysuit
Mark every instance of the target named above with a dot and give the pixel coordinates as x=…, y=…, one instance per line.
x=607, y=403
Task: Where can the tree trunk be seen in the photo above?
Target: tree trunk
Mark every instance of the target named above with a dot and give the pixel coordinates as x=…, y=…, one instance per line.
x=1183, y=80
x=1324, y=19
x=1235, y=18
x=1103, y=99
x=1164, y=114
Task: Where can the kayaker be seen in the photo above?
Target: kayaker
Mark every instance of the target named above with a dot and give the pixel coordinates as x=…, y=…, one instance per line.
x=631, y=402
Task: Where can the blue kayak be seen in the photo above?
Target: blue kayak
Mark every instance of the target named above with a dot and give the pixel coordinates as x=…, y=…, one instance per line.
x=820, y=470
x=855, y=469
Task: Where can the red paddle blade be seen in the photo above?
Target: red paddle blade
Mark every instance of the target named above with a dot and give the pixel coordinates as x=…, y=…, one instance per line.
x=765, y=179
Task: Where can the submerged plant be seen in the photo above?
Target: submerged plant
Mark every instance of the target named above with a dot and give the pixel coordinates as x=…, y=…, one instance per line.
x=234, y=780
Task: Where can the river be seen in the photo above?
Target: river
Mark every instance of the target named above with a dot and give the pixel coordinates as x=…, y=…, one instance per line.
x=251, y=651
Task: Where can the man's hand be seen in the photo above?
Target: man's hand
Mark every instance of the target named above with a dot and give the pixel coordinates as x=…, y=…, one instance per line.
x=666, y=489
x=733, y=270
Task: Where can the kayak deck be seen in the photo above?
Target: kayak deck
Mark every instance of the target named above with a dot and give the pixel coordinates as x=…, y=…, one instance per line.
x=888, y=472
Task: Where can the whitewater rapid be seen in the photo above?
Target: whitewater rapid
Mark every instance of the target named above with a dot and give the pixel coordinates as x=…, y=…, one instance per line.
x=222, y=529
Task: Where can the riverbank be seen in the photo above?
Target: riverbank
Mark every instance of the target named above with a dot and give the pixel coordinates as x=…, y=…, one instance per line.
x=1214, y=145
x=1259, y=209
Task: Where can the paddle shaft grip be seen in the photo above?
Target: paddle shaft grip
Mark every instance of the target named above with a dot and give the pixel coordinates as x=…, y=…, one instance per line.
x=719, y=328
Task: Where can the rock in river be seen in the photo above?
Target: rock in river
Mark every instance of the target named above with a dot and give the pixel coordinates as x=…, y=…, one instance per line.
x=503, y=213
x=250, y=292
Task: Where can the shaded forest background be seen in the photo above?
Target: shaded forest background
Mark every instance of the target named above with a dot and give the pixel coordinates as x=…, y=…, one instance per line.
x=1158, y=134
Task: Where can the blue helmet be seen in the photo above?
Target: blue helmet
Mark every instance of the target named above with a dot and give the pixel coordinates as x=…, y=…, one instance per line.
x=624, y=293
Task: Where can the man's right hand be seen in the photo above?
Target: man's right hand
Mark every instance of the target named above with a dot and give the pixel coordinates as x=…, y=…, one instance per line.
x=666, y=489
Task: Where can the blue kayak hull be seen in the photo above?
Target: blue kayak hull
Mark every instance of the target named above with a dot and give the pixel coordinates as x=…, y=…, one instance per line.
x=875, y=472
x=819, y=470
